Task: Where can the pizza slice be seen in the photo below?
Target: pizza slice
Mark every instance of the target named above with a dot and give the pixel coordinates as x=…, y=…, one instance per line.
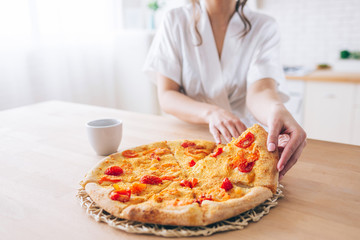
x=130, y=165
x=249, y=161
x=132, y=176
x=116, y=197
x=244, y=161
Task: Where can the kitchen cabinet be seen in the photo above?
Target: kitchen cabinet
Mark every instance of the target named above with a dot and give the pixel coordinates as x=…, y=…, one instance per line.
x=328, y=111
x=355, y=139
x=331, y=109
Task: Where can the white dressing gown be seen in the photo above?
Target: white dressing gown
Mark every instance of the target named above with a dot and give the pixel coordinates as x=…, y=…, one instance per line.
x=199, y=71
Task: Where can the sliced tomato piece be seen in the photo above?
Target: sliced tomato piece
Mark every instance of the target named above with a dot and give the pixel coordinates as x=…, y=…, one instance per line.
x=246, y=167
x=189, y=183
x=239, y=158
x=185, y=183
x=218, y=152
x=186, y=144
x=192, y=163
x=226, y=184
x=114, y=171
x=246, y=141
x=129, y=154
x=108, y=179
x=120, y=195
x=137, y=188
x=193, y=182
x=116, y=186
x=150, y=179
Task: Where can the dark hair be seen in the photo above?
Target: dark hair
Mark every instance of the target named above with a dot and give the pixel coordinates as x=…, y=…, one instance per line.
x=239, y=6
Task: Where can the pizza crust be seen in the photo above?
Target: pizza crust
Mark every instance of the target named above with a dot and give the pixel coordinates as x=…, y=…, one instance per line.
x=152, y=212
x=217, y=211
x=100, y=195
x=92, y=175
x=187, y=215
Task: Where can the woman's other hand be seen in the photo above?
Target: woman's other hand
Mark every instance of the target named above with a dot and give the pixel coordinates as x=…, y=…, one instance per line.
x=224, y=123
x=221, y=122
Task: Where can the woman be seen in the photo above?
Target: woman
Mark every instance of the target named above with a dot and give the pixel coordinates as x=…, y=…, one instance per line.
x=217, y=63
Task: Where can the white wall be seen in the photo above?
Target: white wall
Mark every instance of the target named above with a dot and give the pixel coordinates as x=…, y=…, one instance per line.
x=75, y=50
x=314, y=31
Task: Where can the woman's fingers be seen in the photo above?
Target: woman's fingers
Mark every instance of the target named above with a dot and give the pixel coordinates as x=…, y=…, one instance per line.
x=234, y=127
x=297, y=138
x=283, y=140
x=216, y=134
x=227, y=129
x=231, y=127
x=292, y=160
x=274, y=131
x=286, y=135
x=240, y=127
x=224, y=124
x=225, y=132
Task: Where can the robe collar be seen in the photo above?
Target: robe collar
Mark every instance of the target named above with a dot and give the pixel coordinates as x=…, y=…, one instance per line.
x=211, y=67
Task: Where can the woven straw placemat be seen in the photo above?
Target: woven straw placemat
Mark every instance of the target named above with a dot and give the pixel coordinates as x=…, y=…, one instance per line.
x=235, y=223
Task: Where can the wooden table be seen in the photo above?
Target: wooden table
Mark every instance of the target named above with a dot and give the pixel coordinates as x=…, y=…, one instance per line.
x=44, y=153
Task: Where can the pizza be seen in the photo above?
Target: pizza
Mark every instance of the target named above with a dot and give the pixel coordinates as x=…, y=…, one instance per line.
x=185, y=182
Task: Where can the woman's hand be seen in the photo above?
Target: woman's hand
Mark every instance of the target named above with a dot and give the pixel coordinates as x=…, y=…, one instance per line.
x=221, y=122
x=264, y=101
x=286, y=134
x=224, y=123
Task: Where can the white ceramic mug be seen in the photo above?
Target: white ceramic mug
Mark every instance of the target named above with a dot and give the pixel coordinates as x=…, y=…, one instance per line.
x=105, y=135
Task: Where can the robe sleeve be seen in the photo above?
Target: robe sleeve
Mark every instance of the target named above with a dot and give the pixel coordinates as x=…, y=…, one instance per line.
x=163, y=56
x=266, y=63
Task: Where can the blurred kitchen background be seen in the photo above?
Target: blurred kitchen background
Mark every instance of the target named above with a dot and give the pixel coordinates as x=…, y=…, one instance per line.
x=92, y=52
